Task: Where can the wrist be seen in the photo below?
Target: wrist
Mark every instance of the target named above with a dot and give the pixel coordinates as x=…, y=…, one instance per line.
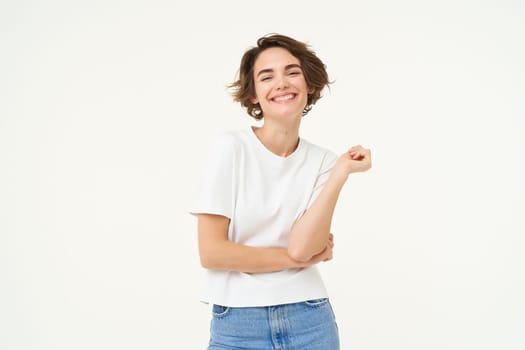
x=337, y=179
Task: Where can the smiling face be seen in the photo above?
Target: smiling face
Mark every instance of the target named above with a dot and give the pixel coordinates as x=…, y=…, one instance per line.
x=280, y=86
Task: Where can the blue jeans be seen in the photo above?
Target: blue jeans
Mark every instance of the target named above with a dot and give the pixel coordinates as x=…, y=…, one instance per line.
x=308, y=325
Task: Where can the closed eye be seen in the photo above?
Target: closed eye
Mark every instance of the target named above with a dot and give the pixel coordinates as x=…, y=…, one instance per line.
x=294, y=73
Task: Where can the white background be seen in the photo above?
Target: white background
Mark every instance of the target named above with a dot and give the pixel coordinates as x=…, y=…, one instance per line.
x=106, y=111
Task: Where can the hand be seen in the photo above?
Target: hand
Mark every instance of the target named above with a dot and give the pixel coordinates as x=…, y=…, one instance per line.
x=356, y=159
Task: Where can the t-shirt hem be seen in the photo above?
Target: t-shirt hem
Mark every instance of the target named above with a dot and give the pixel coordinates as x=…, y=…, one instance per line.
x=269, y=303
x=212, y=212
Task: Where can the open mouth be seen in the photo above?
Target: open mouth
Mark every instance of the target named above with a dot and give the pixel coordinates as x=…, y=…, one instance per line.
x=284, y=98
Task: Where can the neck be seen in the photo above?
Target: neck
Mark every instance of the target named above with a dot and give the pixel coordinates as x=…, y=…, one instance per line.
x=280, y=139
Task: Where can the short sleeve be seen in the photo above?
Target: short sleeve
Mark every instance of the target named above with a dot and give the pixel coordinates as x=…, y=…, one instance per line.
x=327, y=164
x=215, y=195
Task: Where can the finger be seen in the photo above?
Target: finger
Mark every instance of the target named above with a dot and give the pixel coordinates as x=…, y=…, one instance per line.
x=329, y=257
x=367, y=155
x=359, y=149
x=357, y=155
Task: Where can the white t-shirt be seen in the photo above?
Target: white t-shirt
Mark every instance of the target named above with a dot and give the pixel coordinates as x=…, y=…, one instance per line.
x=263, y=194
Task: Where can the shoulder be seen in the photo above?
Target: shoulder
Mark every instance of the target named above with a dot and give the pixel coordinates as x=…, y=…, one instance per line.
x=230, y=139
x=227, y=145
x=319, y=152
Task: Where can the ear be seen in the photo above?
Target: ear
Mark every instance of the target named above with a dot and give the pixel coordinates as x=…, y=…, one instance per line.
x=254, y=100
x=311, y=90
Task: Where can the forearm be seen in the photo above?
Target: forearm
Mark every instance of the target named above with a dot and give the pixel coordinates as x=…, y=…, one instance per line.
x=310, y=233
x=218, y=252
x=227, y=255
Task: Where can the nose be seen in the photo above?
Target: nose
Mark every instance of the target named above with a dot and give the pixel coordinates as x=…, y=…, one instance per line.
x=282, y=83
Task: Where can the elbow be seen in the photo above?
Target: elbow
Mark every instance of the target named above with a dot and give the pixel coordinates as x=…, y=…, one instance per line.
x=298, y=254
x=207, y=260
x=302, y=251
x=212, y=256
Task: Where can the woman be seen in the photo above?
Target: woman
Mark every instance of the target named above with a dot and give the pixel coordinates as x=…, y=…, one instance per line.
x=265, y=209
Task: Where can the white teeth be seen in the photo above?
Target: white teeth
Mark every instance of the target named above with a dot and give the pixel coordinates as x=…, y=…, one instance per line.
x=283, y=98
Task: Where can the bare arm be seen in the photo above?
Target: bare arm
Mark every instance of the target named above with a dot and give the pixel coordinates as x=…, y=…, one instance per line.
x=217, y=252
x=310, y=233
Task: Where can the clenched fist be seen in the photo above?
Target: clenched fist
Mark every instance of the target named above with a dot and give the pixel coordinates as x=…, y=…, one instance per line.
x=356, y=159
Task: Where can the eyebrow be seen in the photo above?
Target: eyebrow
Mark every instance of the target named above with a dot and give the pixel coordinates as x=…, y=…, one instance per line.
x=270, y=70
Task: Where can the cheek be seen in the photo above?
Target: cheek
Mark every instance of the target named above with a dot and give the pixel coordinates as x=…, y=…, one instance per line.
x=307, y=88
x=259, y=93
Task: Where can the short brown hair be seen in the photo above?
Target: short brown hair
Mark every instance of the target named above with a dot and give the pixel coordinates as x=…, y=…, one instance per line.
x=314, y=71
